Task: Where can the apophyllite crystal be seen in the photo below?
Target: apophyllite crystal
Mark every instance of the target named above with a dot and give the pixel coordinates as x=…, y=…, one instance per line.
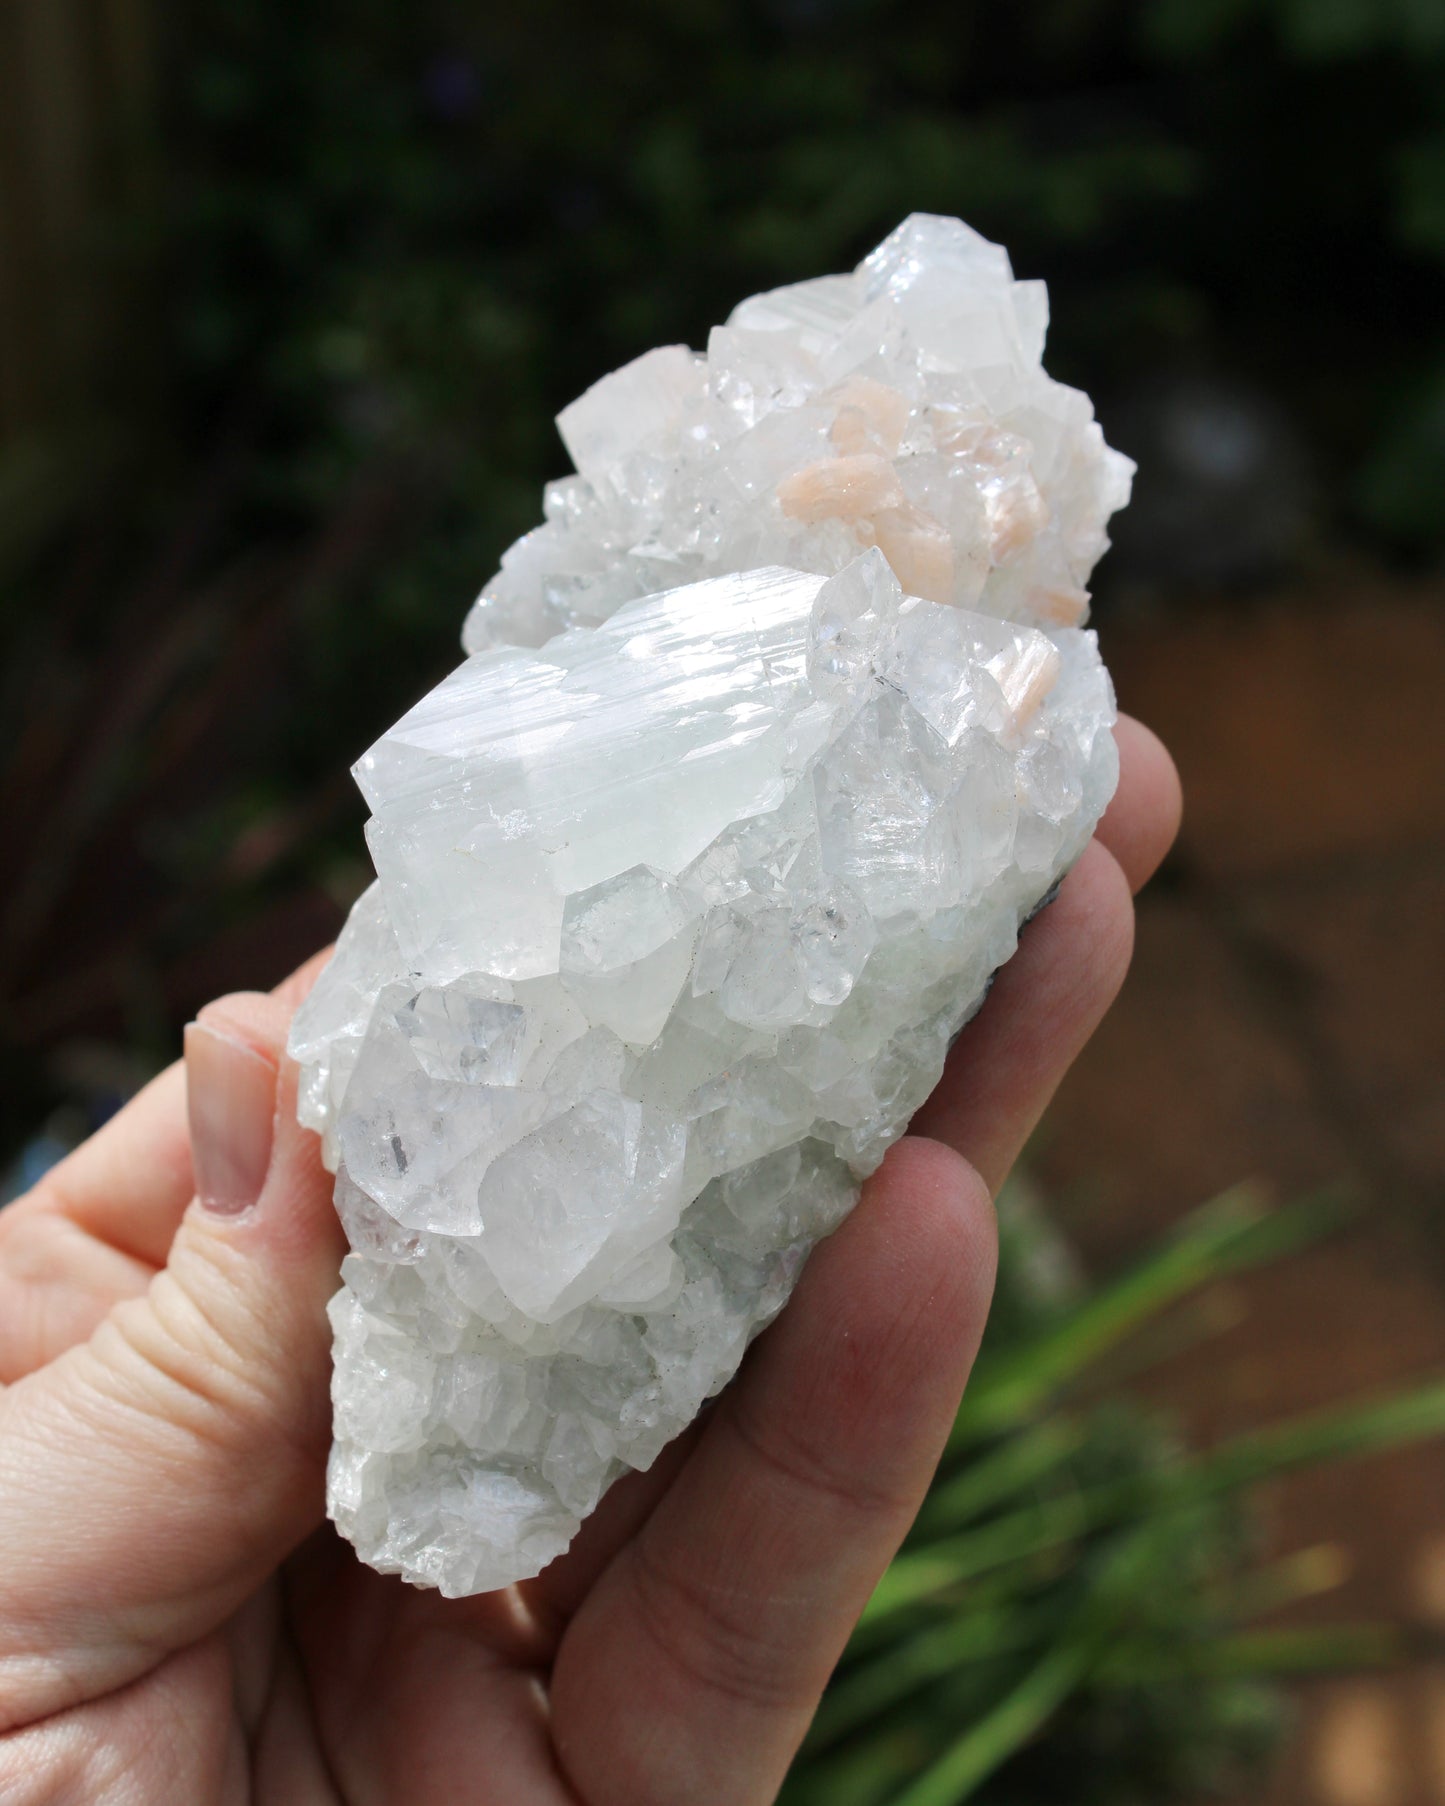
x=768, y=742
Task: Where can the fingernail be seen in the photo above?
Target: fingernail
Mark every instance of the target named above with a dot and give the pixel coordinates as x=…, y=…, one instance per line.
x=231, y=1100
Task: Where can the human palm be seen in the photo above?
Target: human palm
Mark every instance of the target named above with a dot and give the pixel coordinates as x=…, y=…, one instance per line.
x=177, y=1623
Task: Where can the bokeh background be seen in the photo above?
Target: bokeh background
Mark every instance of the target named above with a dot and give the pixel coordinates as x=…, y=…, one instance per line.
x=290, y=291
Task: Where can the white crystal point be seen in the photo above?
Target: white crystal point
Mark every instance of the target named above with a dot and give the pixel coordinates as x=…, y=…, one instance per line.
x=678, y=910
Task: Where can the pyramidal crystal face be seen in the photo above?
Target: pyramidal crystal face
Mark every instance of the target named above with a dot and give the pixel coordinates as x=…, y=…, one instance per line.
x=768, y=742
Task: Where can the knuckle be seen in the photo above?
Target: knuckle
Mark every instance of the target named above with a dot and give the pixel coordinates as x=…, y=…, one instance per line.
x=723, y=1640
x=800, y=1465
x=253, y=1017
x=174, y=1360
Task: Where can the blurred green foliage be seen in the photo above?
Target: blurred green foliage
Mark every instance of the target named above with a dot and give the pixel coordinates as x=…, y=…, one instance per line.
x=410, y=234
x=1080, y=1615
x=421, y=230
x=402, y=237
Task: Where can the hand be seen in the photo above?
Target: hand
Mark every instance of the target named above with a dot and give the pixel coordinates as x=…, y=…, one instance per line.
x=177, y=1623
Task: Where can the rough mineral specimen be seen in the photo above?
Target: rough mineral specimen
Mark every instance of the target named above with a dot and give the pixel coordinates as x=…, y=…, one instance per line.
x=768, y=742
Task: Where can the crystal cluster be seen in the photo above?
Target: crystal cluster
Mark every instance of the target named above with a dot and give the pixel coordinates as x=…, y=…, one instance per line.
x=769, y=740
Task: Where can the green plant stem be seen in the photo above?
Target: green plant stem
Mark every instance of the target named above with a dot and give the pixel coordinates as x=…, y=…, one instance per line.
x=1233, y=1231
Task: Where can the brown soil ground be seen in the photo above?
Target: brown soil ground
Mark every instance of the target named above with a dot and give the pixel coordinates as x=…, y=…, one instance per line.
x=1285, y=1019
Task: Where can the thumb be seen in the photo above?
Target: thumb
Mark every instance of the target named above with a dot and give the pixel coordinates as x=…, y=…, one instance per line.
x=152, y=1477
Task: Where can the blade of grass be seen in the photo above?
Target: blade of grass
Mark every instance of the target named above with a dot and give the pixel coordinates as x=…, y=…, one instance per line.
x=869, y=1776
x=917, y=1575
x=1234, y=1230
x=1337, y=1434
x=1015, y=1584
x=1303, y=1575
x=1018, y=1463
x=988, y=1744
x=894, y=1674
x=1336, y=1650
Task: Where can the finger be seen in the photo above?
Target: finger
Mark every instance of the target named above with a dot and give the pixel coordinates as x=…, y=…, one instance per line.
x=94, y=1229
x=131, y=1181
x=1044, y=1005
x=156, y=1473
x=128, y=1184
x=456, y=1707
x=56, y=1283
x=112, y=1752
x=1141, y=822
x=97, y=1226
x=693, y=1669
